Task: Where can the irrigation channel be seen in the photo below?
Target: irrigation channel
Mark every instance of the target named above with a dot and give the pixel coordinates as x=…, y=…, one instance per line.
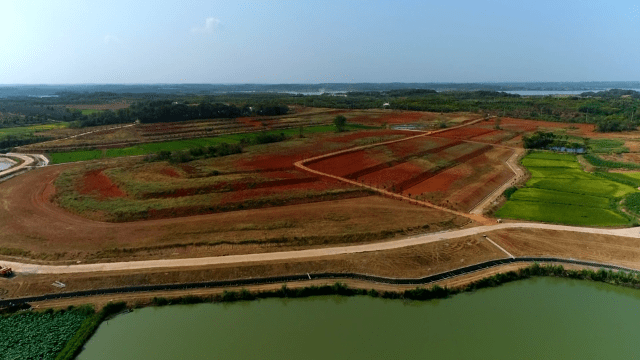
x=538, y=318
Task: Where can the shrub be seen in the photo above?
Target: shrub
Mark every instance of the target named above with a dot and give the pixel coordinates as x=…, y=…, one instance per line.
x=340, y=121
x=509, y=191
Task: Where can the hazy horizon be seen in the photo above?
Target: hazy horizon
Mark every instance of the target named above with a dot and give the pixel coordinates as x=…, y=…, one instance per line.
x=268, y=42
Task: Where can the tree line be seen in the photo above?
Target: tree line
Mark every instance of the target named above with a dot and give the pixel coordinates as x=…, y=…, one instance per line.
x=159, y=111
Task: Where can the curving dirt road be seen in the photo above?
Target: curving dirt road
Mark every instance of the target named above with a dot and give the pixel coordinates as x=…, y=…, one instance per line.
x=305, y=254
x=512, y=163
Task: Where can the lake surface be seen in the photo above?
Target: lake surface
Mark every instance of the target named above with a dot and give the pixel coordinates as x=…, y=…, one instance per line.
x=4, y=165
x=540, y=318
x=553, y=92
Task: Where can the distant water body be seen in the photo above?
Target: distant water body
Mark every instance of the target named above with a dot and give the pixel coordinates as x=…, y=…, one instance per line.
x=554, y=92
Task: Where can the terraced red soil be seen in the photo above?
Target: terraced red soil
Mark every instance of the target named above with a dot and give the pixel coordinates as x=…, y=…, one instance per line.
x=367, y=134
x=95, y=182
x=476, y=192
x=393, y=117
x=532, y=125
x=496, y=137
x=240, y=195
x=442, y=181
x=237, y=186
x=188, y=169
x=393, y=175
x=263, y=162
x=291, y=174
x=344, y=164
x=410, y=147
x=465, y=133
x=170, y=172
x=249, y=121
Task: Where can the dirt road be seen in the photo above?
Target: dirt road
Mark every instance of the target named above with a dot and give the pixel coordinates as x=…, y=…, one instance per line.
x=512, y=163
x=305, y=254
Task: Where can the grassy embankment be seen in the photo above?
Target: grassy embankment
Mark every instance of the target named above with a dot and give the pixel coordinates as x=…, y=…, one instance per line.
x=559, y=191
x=150, y=148
x=88, y=322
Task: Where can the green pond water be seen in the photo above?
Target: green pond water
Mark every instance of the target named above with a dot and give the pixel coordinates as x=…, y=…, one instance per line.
x=540, y=318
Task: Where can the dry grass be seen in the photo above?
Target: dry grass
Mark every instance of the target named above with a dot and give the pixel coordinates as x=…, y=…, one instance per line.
x=415, y=261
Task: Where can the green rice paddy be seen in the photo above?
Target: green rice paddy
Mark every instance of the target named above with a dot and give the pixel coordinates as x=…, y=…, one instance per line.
x=560, y=192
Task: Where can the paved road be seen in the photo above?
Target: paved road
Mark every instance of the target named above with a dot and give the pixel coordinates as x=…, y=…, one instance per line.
x=305, y=254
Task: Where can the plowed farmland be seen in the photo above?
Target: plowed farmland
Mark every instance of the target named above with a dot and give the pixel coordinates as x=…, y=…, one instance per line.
x=32, y=226
x=445, y=170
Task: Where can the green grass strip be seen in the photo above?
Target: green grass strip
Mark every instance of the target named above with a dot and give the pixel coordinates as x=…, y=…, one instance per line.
x=602, y=163
x=150, y=148
x=87, y=329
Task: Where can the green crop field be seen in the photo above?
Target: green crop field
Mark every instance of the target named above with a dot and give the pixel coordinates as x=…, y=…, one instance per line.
x=560, y=192
x=150, y=148
x=607, y=146
x=59, y=158
x=36, y=335
x=25, y=130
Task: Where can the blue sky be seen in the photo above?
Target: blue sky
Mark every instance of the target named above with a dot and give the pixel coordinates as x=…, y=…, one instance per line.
x=63, y=42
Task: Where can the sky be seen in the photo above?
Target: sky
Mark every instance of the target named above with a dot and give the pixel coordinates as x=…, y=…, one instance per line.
x=274, y=42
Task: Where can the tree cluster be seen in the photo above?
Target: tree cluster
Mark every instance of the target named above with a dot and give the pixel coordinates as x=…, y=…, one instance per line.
x=182, y=156
x=546, y=140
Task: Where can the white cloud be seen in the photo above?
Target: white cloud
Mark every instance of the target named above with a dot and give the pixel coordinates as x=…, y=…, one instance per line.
x=110, y=39
x=210, y=25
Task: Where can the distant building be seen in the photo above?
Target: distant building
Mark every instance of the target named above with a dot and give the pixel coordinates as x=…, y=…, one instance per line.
x=385, y=105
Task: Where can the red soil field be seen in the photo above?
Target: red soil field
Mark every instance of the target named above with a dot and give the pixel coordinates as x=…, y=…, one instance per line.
x=319, y=185
x=283, y=174
x=170, y=172
x=344, y=164
x=533, y=125
x=188, y=169
x=465, y=133
x=249, y=121
x=393, y=175
x=440, y=182
x=95, y=181
x=413, y=146
x=235, y=186
x=262, y=162
x=495, y=137
x=393, y=117
x=367, y=134
x=474, y=193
